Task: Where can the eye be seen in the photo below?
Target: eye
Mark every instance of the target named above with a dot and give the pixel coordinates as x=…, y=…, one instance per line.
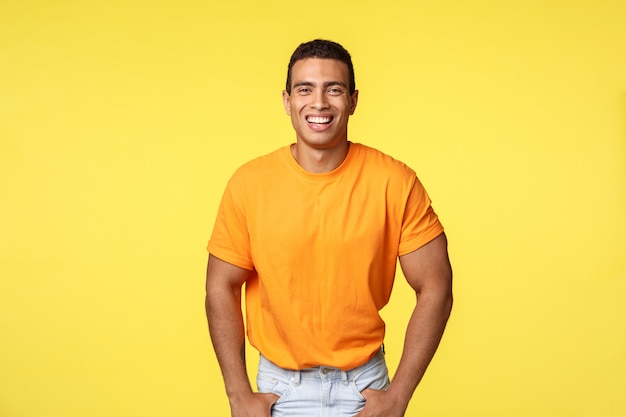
x=303, y=90
x=335, y=91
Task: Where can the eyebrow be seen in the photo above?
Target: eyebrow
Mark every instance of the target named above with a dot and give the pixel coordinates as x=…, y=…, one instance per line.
x=325, y=85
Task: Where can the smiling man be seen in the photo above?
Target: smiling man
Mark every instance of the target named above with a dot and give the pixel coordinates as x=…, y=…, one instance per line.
x=320, y=101
x=314, y=231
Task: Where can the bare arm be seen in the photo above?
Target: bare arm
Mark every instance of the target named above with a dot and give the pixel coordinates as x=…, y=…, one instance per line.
x=223, y=310
x=429, y=273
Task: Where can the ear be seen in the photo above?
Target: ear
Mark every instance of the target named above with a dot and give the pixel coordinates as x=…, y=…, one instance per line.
x=354, y=98
x=287, y=102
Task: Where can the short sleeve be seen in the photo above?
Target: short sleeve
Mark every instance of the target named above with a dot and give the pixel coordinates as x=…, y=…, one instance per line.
x=230, y=240
x=420, y=223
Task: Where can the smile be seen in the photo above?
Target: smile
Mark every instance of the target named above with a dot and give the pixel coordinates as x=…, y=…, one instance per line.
x=319, y=119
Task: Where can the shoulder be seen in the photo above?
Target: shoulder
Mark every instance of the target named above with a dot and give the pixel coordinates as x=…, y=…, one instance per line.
x=260, y=167
x=384, y=164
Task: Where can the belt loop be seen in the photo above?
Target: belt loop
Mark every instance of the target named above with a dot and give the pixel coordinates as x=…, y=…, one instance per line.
x=344, y=376
x=297, y=377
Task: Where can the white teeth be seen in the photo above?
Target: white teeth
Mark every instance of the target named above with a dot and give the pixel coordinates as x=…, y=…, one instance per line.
x=319, y=119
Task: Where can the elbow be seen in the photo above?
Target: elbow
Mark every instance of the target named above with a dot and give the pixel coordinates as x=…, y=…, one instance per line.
x=439, y=298
x=444, y=299
x=448, y=297
x=448, y=303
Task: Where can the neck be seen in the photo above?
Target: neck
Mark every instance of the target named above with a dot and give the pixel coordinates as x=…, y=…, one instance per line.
x=319, y=161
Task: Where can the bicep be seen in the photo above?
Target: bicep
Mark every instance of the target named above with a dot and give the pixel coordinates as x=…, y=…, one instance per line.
x=429, y=266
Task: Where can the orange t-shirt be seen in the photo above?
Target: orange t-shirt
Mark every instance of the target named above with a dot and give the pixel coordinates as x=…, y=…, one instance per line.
x=323, y=251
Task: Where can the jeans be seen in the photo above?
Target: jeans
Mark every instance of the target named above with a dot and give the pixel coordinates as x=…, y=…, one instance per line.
x=321, y=391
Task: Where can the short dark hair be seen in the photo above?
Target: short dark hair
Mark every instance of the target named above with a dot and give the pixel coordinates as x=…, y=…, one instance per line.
x=321, y=48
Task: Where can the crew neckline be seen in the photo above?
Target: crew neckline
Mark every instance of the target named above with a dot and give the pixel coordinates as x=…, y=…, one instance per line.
x=325, y=176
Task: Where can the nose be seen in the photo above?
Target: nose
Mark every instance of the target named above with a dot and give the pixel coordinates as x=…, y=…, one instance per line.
x=319, y=101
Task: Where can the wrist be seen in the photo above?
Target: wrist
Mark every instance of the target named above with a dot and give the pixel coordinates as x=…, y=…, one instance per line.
x=239, y=393
x=398, y=396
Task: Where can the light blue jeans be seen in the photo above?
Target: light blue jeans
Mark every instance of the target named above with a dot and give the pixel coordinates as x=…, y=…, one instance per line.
x=321, y=391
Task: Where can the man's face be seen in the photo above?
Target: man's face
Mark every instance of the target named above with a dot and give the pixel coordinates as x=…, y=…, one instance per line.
x=320, y=102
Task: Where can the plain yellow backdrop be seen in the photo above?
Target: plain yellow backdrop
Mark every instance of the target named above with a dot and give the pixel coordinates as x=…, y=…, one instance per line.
x=121, y=121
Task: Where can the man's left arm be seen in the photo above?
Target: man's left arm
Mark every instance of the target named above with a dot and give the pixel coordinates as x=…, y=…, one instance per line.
x=429, y=273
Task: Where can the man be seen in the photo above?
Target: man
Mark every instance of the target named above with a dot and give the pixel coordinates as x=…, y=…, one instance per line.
x=314, y=230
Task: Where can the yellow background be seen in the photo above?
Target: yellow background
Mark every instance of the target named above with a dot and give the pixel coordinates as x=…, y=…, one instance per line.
x=121, y=121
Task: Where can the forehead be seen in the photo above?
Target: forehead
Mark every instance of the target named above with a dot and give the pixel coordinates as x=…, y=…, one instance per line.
x=319, y=69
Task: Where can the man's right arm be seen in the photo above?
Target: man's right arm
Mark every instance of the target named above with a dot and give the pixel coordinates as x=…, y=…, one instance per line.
x=223, y=310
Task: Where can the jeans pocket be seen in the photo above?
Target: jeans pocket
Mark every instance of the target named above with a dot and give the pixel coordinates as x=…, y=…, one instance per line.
x=270, y=384
x=374, y=377
x=357, y=390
